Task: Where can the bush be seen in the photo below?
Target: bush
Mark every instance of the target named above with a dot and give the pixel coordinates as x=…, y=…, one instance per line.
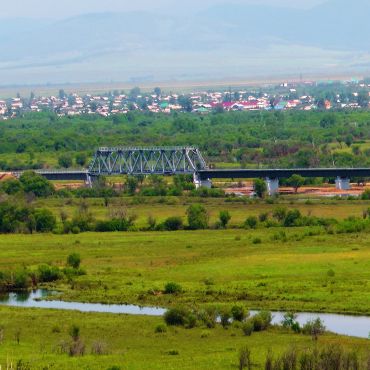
x=257, y=241
x=47, y=274
x=176, y=317
x=74, y=260
x=45, y=220
x=22, y=280
x=225, y=218
x=314, y=328
x=292, y=218
x=173, y=224
x=160, y=329
x=245, y=361
x=248, y=327
x=172, y=288
x=225, y=317
x=251, y=222
x=262, y=321
x=197, y=217
x=238, y=313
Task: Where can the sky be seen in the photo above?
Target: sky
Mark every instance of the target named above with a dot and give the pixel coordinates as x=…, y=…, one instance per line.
x=69, y=8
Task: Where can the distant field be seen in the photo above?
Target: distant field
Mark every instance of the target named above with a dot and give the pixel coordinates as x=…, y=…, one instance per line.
x=161, y=208
x=277, y=274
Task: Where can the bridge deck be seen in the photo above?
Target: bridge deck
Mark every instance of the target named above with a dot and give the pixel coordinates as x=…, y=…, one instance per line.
x=284, y=173
x=227, y=174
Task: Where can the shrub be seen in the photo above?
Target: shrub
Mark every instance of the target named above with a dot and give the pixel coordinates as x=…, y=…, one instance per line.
x=74, y=260
x=263, y=217
x=257, y=241
x=176, y=317
x=292, y=218
x=172, y=288
x=290, y=322
x=251, y=222
x=22, y=280
x=262, y=321
x=209, y=316
x=248, y=327
x=197, y=217
x=225, y=317
x=314, y=328
x=173, y=223
x=160, y=329
x=47, y=273
x=238, y=313
x=245, y=359
x=225, y=218
x=74, y=332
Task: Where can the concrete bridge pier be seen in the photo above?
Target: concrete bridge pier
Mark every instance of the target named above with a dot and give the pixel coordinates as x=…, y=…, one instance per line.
x=343, y=183
x=201, y=183
x=272, y=186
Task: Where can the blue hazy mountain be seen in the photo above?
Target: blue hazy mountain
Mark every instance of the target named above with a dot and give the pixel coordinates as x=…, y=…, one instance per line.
x=222, y=41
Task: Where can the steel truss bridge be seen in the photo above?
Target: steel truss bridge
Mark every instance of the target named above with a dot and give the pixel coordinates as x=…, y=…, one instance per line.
x=147, y=161
x=183, y=160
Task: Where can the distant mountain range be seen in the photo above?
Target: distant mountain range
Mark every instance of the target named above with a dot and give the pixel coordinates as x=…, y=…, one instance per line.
x=223, y=41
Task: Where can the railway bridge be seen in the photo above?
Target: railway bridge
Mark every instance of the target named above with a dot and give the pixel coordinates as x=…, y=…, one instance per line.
x=169, y=161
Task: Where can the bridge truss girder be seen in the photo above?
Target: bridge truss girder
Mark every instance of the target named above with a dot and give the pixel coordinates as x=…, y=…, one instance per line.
x=147, y=161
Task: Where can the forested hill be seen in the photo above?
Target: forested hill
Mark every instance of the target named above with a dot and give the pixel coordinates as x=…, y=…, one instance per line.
x=251, y=139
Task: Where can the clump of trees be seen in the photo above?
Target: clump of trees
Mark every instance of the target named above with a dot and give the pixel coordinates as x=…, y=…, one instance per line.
x=18, y=218
x=26, y=278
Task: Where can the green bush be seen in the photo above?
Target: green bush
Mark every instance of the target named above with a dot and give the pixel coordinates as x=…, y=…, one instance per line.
x=248, y=327
x=172, y=288
x=173, y=224
x=251, y=222
x=176, y=317
x=160, y=328
x=47, y=273
x=74, y=260
x=197, y=217
x=262, y=321
x=238, y=313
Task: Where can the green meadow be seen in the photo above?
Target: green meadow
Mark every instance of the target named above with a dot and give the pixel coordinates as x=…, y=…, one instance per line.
x=307, y=271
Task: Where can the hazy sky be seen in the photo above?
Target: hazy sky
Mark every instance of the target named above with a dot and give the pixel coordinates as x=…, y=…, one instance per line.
x=66, y=8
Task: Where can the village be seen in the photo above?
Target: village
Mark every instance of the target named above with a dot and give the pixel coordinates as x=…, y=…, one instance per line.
x=285, y=96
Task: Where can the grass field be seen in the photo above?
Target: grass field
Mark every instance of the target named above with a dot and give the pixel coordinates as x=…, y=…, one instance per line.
x=164, y=207
x=291, y=269
x=213, y=267
x=131, y=342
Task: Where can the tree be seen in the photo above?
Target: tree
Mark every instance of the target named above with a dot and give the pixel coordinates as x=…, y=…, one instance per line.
x=62, y=94
x=131, y=185
x=158, y=91
x=225, y=218
x=363, y=99
x=45, y=220
x=296, y=181
x=135, y=92
x=65, y=161
x=81, y=159
x=11, y=186
x=197, y=217
x=260, y=187
x=34, y=183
